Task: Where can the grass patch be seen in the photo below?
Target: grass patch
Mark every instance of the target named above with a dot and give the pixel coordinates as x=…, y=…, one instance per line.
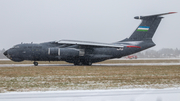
x=87, y=77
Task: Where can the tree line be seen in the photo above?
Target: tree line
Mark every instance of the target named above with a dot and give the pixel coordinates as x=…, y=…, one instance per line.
x=162, y=53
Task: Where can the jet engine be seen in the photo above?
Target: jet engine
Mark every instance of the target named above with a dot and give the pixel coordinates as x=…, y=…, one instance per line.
x=64, y=52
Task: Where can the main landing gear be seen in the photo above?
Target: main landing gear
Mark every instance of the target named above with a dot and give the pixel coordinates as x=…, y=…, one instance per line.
x=35, y=63
x=87, y=63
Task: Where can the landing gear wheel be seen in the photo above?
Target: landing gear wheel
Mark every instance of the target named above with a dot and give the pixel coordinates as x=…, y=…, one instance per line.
x=83, y=62
x=80, y=63
x=77, y=63
x=89, y=63
x=35, y=63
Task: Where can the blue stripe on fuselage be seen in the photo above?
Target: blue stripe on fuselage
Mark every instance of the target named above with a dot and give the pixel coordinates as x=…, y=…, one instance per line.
x=143, y=27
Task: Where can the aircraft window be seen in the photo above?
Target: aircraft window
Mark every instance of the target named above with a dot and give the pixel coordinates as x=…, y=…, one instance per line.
x=16, y=47
x=38, y=46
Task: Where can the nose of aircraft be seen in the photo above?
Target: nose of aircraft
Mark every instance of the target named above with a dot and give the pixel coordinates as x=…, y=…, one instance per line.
x=5, y=53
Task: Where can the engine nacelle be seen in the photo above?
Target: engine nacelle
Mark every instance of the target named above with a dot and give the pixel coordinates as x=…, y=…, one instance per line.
x=64, y=52
x=69, y=52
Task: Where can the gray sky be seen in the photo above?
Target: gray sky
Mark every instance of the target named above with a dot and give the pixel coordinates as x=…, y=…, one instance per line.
x=87, y=20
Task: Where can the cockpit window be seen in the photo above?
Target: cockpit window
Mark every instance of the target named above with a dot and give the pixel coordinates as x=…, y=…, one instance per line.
x=16, y=47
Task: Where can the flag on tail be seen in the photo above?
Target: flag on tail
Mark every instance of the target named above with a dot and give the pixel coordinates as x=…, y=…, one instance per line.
x=143, y=28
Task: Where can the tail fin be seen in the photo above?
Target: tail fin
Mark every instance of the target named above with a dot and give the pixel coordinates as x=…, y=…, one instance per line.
x=147, y=27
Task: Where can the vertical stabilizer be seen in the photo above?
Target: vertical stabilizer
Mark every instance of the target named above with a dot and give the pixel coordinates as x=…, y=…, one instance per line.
x=148, y=27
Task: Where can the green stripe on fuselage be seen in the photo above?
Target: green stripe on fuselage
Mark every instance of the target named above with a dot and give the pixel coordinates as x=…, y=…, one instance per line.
x=142, y=30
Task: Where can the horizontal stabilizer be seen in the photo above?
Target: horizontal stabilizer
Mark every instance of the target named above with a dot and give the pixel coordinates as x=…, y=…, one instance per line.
x=153, y=16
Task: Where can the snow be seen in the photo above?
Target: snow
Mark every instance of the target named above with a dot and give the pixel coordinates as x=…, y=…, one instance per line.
x=170, y=94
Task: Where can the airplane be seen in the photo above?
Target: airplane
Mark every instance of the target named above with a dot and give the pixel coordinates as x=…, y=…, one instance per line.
x=85, y=52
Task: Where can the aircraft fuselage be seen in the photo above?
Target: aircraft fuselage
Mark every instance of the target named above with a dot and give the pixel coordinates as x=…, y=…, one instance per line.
x=52, y=52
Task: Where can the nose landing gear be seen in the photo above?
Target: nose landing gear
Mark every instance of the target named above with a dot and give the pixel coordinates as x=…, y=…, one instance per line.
x=35, y=63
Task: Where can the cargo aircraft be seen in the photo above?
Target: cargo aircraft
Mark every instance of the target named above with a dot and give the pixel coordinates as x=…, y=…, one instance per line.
x=85, y=52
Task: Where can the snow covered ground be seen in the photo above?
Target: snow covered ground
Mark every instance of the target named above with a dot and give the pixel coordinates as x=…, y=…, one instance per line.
x=172, y=94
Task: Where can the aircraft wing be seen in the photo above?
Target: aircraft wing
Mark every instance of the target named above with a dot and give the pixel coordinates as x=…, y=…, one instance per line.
x=87, y=44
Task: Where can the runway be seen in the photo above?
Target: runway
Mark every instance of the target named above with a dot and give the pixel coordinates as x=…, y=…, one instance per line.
x=114, y=64
x=96, y=95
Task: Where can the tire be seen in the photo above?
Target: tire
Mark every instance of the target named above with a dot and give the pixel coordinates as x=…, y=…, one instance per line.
x=88, y=63
x=78, y=63
x=75, y=63
x=35, y=63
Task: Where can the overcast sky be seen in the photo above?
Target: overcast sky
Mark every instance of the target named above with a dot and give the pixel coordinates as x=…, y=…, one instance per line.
x=87, y=20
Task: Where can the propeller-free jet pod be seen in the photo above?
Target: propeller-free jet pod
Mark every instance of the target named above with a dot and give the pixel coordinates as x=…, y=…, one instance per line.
x=86, y=53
